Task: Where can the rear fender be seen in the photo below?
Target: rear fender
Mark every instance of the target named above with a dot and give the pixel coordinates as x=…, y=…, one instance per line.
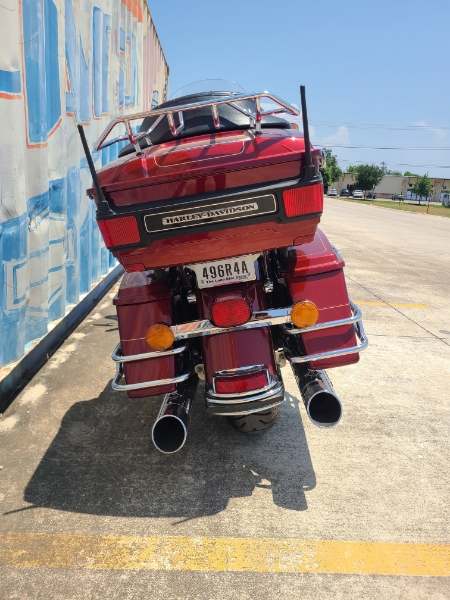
x=244, y=348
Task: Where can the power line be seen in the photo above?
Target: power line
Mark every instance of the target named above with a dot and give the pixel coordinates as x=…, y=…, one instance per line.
x=373, y=126
x=434, y=148
x=397, y=164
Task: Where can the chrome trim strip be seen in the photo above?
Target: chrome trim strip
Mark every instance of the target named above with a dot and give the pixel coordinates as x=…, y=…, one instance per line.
x=271, y=381
x=249, y=411
x=261, y=318
x=117, y=355
x=240, y=399
x=359, y=331
x=143, y=384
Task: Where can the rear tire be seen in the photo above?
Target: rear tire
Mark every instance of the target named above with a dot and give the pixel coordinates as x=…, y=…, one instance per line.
x=255, y=423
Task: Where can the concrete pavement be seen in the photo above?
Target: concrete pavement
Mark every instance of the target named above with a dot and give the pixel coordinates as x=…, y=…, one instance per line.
x=85, y=493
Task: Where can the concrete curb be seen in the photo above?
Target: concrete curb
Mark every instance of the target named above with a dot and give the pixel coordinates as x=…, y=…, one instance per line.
x=33, y=360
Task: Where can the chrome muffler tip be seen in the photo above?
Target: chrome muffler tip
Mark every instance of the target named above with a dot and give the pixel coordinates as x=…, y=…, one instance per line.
x=324, y=409
x=169, y=434
x=169, y=431
x=321, y=402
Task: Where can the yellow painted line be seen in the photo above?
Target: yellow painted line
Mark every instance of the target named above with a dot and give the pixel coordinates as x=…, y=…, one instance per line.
x=222, y=554
x=396, y=304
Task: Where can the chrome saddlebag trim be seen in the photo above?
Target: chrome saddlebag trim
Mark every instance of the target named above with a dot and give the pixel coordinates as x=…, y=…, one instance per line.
x=117, y=355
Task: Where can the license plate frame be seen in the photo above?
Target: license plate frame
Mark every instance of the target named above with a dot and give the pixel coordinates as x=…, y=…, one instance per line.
x=227, y=270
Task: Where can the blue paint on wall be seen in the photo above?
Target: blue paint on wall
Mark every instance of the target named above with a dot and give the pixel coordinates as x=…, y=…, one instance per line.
x=81, y=253
x=101, y=37
x=130, y=99
x=10, y=82
x=40, y=32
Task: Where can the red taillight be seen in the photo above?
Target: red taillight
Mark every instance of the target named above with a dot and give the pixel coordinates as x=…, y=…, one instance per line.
x=230, y=309
x=120, y=231
x=303, y=200
x=240, y=383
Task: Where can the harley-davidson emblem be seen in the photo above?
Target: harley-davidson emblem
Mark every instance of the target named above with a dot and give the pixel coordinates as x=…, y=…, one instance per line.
x=179, y=216
x=208, y=214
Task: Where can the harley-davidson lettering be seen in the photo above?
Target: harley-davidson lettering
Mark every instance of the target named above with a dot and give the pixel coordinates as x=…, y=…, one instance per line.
x=212, y=213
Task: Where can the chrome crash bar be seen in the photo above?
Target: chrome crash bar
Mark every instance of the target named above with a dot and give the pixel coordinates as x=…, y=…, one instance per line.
x=363, y=343
x=169, y=112
x=355, y=320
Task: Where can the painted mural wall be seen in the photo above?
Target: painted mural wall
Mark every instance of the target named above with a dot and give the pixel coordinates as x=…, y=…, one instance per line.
x=61, y=61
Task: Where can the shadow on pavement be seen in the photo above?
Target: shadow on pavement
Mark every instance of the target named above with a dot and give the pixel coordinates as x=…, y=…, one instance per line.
x=102, y=462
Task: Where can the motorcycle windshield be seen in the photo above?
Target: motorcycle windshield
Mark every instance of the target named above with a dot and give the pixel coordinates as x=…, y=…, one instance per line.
x=206, y=86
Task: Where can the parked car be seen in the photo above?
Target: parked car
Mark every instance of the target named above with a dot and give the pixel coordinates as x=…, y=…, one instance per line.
x=358, y=194
x=398, y=197
x=332, y=192
x=345, y=193
x=446, y=200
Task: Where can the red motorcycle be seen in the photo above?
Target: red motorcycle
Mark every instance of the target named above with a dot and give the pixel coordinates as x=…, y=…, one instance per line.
x=212, y=208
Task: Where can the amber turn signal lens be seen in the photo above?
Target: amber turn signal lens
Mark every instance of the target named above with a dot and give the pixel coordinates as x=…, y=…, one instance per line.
x=304, y=313
x=160, y=336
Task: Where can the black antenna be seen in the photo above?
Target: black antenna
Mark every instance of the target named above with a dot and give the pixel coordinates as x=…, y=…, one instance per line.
x=308, y=157
x=103, y=208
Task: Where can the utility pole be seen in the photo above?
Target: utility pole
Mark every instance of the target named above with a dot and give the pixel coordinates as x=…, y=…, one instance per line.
x=383, y=166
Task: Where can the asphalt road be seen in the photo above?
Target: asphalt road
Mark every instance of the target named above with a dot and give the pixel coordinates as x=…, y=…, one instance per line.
x=89, y=509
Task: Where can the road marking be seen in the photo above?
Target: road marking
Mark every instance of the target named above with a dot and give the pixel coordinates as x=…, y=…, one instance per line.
x=222, y=554
x=396, y=304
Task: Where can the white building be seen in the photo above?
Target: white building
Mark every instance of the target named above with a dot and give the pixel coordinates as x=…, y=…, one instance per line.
x=396, y=184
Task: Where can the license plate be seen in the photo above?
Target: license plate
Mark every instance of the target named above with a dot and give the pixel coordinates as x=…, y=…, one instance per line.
x=222, y=272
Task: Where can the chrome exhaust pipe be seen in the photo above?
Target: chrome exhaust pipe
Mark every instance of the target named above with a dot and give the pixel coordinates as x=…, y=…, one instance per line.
x=321, y=402
x=169, y=431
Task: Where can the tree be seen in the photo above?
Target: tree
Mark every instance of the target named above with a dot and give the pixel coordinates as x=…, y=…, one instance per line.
x=409, y=174
x=353, y=168
x=389, y=172
x=327, y=178
x=368, y=176
x=332, y=163
x=422, y=187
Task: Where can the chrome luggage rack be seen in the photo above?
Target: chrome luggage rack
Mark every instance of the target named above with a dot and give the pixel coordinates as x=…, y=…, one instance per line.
x=263, y=318
x=169, y=112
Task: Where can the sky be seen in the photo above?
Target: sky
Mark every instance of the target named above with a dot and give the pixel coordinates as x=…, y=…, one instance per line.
x=377, y=73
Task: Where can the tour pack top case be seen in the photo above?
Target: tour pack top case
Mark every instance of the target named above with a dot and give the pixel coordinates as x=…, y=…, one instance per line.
x=213, y=192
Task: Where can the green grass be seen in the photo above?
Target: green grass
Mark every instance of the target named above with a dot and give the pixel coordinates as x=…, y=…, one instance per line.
x=441, y=211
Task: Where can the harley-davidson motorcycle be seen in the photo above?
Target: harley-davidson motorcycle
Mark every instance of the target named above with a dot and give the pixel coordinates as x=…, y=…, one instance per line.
x=212, y=207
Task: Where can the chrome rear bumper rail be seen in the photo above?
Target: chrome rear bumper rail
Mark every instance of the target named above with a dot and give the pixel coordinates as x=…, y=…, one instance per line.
x=261, y=318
